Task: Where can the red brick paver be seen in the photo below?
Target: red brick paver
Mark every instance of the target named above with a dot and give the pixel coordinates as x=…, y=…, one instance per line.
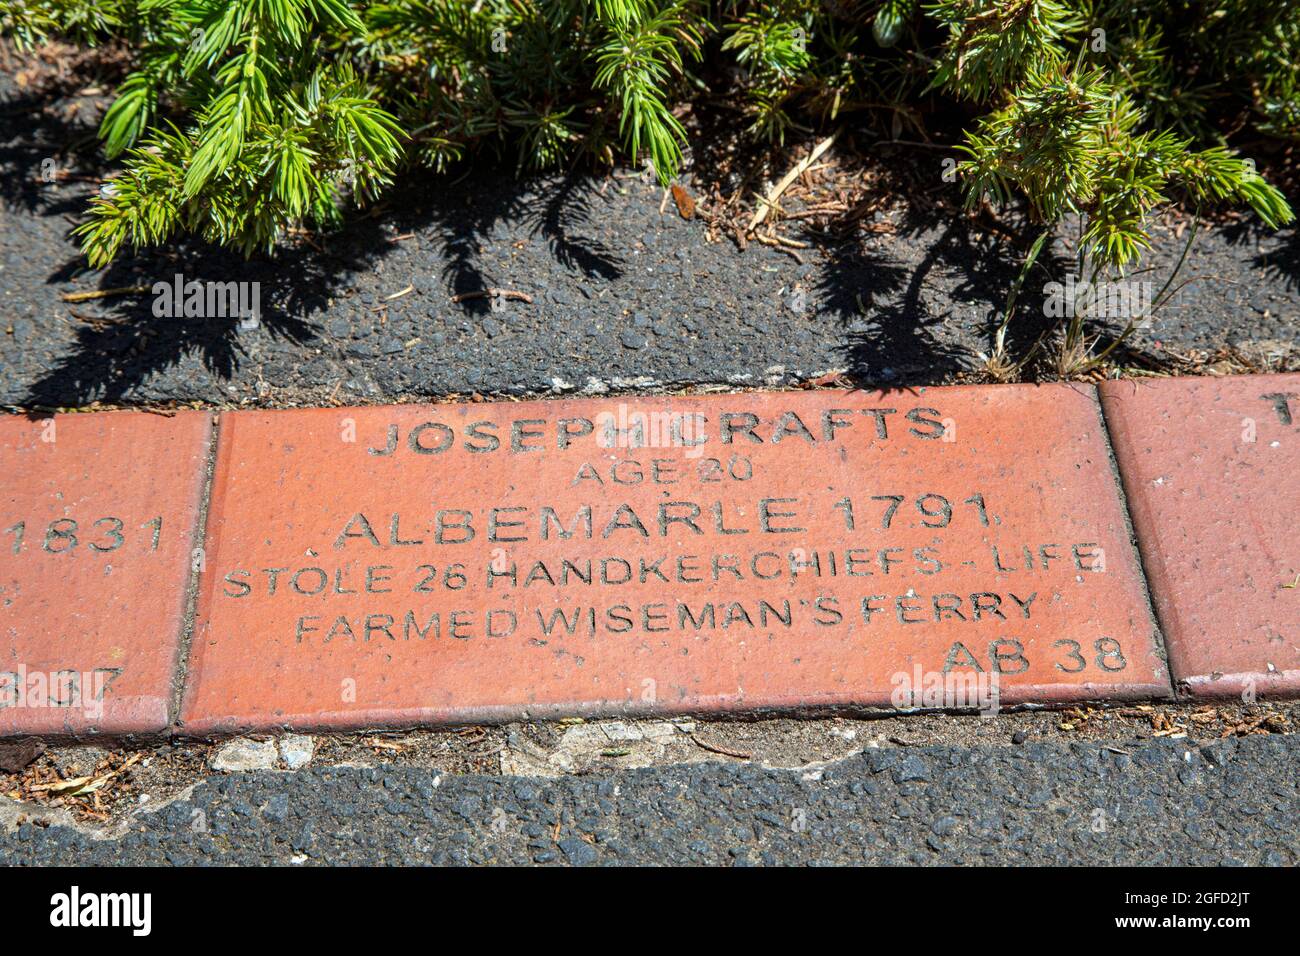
x=781, y=550
x=1212, y=471
x=98, y=517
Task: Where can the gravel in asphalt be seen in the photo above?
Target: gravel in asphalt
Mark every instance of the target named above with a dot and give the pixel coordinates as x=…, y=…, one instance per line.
x=1154, y=803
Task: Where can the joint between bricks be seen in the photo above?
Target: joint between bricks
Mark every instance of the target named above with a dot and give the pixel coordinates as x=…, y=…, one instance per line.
x=199, y=539
x=1157, y=625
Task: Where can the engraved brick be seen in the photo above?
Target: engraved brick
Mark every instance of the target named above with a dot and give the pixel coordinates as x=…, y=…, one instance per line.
x=1211, y=467
x=98, y=525
x=413, y=564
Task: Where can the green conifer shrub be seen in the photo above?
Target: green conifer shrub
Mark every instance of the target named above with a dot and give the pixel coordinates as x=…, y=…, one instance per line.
x=241, y=119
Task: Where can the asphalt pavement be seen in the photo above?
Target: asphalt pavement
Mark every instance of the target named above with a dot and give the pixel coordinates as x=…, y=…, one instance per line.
x=1155, y=803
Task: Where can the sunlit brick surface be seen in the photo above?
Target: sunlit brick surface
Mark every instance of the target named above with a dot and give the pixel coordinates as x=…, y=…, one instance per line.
x=98, y=517
x=387, y=566
x=1212, y=471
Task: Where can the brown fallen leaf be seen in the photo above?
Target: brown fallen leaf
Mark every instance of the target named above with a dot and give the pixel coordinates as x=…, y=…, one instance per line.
x=829, y=380
x=17, y=756
x=685, y=204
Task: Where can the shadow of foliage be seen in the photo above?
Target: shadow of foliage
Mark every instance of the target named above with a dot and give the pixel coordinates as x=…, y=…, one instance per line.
x=889, y=318
x=558, y=209
x=1279, y=255
x=120, y=343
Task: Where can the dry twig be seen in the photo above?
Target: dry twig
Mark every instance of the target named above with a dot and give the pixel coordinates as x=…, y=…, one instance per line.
x=761, y=212
x=104, y=293
x=494, y=293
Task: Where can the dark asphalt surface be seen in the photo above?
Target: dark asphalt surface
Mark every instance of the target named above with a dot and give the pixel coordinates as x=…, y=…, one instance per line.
x=623, y=296
x=1156, y=803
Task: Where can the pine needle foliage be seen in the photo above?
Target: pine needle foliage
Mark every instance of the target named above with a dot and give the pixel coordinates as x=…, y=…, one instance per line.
x=1070, y=142
x=242, y=119
x=32, y=22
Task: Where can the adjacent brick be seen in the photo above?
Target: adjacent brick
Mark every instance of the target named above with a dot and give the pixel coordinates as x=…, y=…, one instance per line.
x=389, y=566
x=98, y=520
x=1212, y=471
